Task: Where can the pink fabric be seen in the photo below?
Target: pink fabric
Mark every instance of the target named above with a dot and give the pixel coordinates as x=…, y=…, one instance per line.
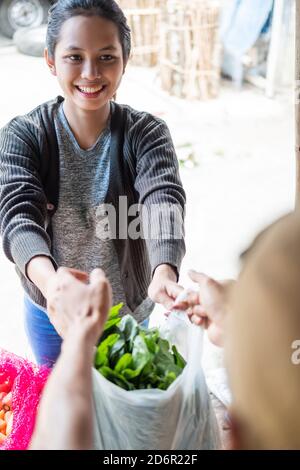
x=27, y=381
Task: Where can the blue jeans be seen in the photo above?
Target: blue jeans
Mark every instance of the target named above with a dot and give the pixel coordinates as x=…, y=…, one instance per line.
x=43, y=338
x=145, y=323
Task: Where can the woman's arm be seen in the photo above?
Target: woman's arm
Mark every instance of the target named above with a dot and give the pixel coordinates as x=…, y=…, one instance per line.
x=162, y=195
x=23, y=203
x=65, y=417
x=39, y=271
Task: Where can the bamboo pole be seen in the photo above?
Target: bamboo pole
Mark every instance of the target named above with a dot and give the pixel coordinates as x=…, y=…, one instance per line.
x=144, y=19
x=189, y=63
x=297, y=101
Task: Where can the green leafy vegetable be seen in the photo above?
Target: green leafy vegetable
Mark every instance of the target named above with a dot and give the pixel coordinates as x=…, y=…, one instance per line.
x=134, y=357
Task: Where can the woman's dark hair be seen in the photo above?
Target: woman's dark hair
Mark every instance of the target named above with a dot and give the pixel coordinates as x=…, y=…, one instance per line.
x=63, y=10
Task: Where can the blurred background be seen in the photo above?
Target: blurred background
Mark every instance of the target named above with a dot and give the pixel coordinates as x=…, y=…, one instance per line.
x=221, y=74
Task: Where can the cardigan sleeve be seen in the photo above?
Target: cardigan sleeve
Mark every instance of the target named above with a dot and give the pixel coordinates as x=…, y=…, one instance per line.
x=161, y=193
x=23, y=204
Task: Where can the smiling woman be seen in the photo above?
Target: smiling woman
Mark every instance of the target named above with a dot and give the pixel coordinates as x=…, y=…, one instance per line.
x=77, y=153
x=89, y=63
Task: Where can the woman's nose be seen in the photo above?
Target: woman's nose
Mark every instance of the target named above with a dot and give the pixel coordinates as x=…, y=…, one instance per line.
x=90, y=71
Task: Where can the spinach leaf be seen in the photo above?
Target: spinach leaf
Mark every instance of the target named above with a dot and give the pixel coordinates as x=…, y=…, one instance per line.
x=130, y=329
x=116, y=352
x=112, y=322
x=110, y=341
x=131, y=374
x=115, y=311
x=179, y=361
x=124, y=362
x=140, y=353
x=150, y=339
x=101, y=358
x=116, y=378
x=133, y=357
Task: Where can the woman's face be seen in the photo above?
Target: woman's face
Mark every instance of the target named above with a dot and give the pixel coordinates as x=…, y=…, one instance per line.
x=88, y=61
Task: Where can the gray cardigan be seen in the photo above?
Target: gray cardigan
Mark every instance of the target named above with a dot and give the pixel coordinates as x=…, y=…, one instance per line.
x=144, y=168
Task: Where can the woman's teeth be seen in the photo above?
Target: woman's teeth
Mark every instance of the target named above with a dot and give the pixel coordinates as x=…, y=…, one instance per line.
x=90, y=90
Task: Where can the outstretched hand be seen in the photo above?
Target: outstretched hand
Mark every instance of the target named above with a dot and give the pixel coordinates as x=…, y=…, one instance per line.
x=207, y=306
x=75, y=303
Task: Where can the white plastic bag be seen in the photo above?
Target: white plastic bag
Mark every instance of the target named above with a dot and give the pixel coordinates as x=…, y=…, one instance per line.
x=179, y=418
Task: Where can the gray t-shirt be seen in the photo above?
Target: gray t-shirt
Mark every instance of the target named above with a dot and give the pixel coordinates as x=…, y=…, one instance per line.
x=84, y=180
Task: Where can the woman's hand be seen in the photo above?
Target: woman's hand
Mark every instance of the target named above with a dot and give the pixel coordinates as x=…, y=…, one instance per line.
x=207, y=307
x=164, y=288
x=75, y=306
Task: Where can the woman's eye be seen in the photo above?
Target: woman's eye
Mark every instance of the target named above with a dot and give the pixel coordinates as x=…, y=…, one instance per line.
x=78, y=58
x=106, y=58
x=74, y=58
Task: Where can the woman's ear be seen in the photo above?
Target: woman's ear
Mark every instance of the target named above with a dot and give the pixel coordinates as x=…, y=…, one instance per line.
x=49, y=62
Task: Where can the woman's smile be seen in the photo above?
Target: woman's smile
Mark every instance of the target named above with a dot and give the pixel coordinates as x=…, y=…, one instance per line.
x=90, y=92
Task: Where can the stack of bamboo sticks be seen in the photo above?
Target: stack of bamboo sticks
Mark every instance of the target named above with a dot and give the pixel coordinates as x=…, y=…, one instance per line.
x=190, y=48
x=144, y=18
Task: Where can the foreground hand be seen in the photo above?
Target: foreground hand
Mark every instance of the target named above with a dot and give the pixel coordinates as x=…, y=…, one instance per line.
x=164, y=288
x=73, y=305
x=207, y=307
